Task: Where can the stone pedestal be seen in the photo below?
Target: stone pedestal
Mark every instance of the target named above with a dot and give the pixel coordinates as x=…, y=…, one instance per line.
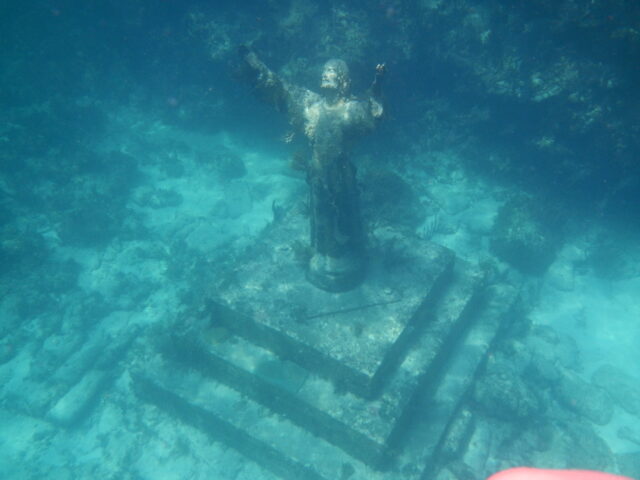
x=308, y=383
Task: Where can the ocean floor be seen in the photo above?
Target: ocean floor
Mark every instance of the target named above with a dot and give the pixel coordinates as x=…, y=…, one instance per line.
x=197, y=216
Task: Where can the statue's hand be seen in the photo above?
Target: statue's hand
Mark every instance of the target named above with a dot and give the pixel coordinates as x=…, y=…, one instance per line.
x=381, y=69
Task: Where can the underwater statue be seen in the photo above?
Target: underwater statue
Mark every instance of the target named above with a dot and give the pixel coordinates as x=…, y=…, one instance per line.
x=331, y=121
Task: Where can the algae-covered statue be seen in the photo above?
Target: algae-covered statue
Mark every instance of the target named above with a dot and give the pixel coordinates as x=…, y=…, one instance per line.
x=330, y=120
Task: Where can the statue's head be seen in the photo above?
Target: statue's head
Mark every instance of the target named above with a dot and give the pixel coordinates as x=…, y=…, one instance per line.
x=335, y=77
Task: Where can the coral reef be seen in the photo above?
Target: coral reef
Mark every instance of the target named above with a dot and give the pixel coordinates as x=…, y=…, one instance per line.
x=526, y=235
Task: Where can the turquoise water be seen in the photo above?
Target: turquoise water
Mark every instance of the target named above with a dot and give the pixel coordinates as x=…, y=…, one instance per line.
x=140, y=171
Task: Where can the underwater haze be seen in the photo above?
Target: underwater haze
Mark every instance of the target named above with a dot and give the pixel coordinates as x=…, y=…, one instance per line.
x=149, y=175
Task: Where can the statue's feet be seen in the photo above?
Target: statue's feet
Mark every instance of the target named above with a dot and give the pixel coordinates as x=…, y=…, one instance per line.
x=336, y=274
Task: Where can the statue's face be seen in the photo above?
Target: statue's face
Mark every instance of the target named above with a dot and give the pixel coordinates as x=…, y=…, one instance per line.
x=335, y=76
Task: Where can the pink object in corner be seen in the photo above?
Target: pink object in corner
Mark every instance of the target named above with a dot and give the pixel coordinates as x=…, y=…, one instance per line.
x=526, y=473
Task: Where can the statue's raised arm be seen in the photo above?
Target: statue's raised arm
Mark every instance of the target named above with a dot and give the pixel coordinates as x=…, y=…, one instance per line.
x=271, y=88
x=376, y=85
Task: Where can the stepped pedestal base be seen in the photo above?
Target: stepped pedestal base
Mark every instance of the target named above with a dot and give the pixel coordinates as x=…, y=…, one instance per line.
x=312, y=384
